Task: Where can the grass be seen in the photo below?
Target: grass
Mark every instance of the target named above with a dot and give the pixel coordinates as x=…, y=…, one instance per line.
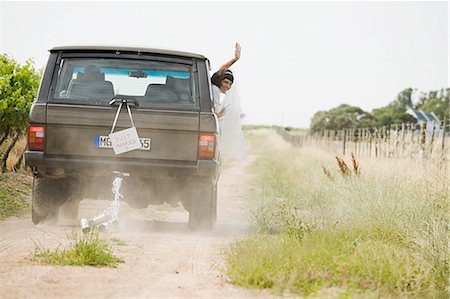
x=15, y=187
x=87, y=250
x=327, y=259
x=381, y=232
x=15, y=153
x=15, y=192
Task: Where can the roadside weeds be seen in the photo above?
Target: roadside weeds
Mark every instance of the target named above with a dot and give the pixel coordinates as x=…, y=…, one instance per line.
x=379, y=232
x=15, y=194
x=90, y=249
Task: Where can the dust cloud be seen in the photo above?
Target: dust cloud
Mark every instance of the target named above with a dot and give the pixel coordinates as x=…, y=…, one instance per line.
x=163, y=257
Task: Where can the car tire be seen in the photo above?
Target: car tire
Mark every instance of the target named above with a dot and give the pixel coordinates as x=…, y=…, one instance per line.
x=47, y=196
x=203, y=206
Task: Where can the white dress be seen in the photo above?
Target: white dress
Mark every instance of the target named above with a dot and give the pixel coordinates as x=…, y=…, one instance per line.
x=216, y=97
x=231, y=140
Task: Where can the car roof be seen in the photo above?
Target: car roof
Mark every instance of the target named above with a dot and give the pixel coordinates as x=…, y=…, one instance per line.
x=127, y=49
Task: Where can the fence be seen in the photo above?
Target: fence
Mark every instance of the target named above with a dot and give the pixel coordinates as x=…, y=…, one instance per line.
x=398, y=141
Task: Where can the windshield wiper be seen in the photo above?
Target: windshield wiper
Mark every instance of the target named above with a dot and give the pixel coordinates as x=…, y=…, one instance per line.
x=124, y=99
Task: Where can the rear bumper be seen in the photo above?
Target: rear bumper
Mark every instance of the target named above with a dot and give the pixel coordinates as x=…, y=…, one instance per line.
x=69, y=165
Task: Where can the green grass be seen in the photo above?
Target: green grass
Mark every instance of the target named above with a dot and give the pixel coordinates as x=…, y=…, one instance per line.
x=15, y=190
x=87, y=250
x=380, y=234
x=357, y=261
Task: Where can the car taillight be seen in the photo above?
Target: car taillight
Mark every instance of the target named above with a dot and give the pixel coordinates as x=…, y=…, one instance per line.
x=206, y=146
x=36, y=138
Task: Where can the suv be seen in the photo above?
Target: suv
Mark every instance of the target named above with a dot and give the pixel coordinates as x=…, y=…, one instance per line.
x=169, y=94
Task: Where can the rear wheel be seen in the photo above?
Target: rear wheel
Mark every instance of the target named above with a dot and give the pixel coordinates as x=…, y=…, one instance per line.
x=48, y=195
x=203, y=205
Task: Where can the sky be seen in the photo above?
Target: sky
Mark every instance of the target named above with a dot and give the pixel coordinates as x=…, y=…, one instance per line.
x=297, y=57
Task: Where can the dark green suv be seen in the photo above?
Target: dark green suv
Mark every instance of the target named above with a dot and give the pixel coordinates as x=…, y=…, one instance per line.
x=169, y=94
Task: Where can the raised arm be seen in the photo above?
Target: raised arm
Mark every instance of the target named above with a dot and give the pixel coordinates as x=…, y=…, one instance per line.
x=237, y=55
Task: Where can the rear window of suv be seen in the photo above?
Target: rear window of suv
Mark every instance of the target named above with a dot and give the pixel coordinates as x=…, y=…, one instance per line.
x=154, y=84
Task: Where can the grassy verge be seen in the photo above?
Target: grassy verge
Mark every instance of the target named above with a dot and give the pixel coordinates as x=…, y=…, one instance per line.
x=87, y=250
x=382, y=233
x=15, y=190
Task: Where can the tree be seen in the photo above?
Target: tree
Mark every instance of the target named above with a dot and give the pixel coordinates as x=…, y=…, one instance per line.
x=403, y=100
x=437, y=102
x=346, y=116
x=343, y=116
x=392, y=114
x=395, y=111
x=18, y=88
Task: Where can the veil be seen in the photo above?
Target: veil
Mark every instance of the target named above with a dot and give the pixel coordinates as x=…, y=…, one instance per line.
x=232, y=142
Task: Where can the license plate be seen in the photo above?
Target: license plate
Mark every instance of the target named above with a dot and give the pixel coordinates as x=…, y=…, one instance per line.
x=105, y=142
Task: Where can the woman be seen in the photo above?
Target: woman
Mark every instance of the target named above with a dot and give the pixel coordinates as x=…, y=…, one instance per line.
x=228, y=109
x=222, y=80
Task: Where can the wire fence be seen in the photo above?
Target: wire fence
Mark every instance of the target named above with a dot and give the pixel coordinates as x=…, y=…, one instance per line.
x=415, y=141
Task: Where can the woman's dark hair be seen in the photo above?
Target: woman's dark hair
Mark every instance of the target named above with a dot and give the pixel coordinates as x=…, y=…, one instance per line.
x=217, y=77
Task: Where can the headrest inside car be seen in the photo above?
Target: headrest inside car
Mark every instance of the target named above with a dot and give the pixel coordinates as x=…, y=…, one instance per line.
x=93, y=73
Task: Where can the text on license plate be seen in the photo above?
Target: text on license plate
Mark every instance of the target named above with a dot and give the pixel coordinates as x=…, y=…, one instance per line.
x=105, y=142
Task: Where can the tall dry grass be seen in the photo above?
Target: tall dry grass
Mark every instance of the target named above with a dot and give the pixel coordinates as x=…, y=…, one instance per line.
x=382, y=232
x=16, y=152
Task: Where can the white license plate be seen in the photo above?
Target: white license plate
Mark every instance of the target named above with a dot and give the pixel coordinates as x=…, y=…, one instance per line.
x=105, y=142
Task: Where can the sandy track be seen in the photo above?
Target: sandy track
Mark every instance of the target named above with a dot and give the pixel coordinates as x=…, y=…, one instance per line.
x=162, y=257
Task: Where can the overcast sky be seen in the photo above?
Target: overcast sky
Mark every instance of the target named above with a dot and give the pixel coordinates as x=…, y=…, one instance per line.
x=297, y=57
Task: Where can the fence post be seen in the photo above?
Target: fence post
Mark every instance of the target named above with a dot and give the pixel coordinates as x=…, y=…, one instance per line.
x=420, y=133
x=375, y=142
x=422, y=136
x=344, y=142
x=444, y=129
x=337, y=140
x=403, y=140
x=412, y=128
x=388, y=141
x=357, y=141
x=432, y=138
x=362, y=139
x=351, y=140
x=330, y=140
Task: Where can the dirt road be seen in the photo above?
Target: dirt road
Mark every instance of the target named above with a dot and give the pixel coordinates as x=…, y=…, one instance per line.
x=163, y=258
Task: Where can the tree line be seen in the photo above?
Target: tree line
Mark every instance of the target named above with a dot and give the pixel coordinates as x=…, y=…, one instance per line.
x=18, y=88
x=346, y=116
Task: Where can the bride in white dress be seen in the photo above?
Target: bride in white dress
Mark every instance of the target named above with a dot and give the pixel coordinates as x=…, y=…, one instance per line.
x=227, y=108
